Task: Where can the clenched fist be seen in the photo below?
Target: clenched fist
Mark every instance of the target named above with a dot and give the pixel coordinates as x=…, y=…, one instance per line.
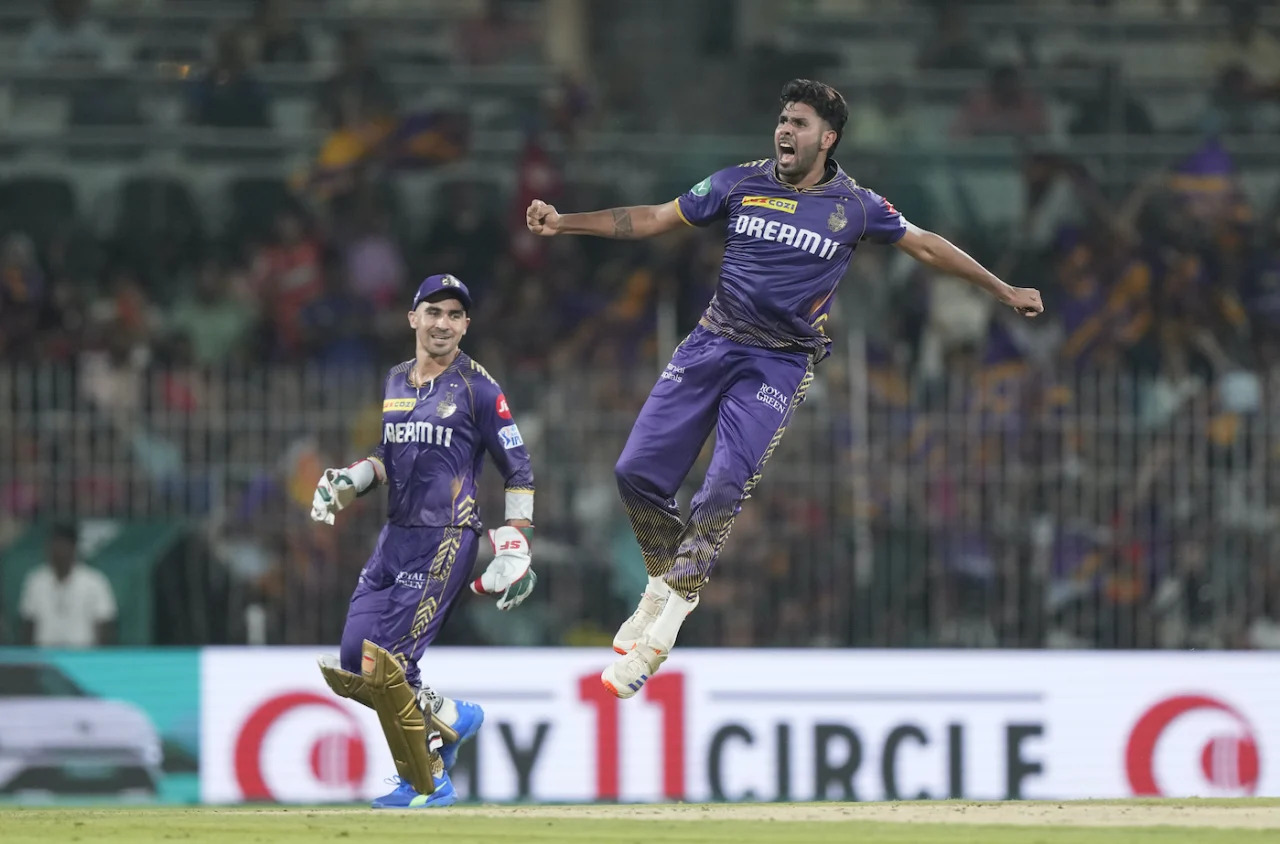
x=1025, y=300
x=542, y=219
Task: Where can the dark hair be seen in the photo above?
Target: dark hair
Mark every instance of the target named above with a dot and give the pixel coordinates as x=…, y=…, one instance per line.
x=823, y=99
x=64, y=529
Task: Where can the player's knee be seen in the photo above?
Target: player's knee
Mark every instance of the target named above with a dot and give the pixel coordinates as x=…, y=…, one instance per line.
x=627, y=471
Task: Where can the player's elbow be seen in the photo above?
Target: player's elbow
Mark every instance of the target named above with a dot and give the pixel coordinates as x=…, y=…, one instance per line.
x=923, y=245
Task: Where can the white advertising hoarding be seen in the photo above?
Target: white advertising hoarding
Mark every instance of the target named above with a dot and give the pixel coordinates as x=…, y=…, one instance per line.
x=768, y=724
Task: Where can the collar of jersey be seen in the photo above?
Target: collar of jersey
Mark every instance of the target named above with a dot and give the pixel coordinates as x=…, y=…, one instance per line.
x=408, y=373
x=829, y=174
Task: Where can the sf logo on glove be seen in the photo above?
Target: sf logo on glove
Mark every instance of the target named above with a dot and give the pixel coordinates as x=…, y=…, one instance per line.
x=509, y=574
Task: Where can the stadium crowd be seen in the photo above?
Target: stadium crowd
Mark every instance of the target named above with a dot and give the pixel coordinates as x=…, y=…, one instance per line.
x=1104, y=478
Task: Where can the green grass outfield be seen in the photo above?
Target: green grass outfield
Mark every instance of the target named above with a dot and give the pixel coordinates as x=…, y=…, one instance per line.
x=1088, y=822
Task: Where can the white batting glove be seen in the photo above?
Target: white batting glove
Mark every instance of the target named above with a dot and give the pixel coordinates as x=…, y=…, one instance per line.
x=509, y=574
x=335, y=490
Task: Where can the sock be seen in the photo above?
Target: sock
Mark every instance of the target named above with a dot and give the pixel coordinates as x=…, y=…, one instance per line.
x=445, y=709
x=664, y=631
x=657, y=587
x=442, y=707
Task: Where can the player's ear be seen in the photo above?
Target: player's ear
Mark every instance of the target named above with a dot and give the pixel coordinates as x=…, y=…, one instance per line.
x=828, y=140
x=413, y=320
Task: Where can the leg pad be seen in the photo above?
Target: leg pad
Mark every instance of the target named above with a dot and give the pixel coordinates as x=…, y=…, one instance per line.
x=403, y=723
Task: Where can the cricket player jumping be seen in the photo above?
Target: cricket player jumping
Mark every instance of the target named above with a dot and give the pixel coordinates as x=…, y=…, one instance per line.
x=793, y=223
x=441, y=412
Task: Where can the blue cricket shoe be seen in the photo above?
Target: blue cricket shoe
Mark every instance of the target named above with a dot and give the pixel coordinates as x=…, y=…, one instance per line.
x=406, y=797
x=470, y=717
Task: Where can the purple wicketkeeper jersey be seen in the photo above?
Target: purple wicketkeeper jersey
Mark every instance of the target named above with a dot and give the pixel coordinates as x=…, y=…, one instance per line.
x=434, y=440
x=785, y=249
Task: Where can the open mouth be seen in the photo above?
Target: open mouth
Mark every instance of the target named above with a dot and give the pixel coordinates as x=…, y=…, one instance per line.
x=786, y=152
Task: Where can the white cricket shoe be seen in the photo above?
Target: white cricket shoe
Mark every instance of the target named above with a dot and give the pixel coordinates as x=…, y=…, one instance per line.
x=629, y=674
x=651, y=604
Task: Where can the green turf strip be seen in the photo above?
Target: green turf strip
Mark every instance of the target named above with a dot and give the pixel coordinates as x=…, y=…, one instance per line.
x=198, y=825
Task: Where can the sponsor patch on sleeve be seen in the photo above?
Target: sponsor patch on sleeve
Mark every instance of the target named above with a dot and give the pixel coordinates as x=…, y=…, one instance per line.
x=510, y=436
x=504, y=412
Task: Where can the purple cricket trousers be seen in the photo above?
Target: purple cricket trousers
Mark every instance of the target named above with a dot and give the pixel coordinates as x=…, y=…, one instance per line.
x=406, y=592
x=747, y=395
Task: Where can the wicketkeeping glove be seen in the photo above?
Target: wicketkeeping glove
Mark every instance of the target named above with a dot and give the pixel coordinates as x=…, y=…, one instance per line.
x=509, y=574
x=334, y=491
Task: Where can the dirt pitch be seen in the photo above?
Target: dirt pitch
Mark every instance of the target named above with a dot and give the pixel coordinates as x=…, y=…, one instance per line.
x=1184, y=813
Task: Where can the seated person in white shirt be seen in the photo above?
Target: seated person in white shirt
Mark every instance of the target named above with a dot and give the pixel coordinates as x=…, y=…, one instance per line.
x=65, y=603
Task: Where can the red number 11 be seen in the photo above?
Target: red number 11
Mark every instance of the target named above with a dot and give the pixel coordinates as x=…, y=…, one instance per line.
x=665, y=691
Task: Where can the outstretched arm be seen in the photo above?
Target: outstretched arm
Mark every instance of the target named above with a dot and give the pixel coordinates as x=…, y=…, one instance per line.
x=630, y=223
x=941, y=254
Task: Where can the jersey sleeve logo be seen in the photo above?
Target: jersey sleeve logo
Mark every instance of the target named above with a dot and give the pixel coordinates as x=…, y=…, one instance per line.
x=510, y=436
x=701, y=188
x=504, y=412
x=888, y=206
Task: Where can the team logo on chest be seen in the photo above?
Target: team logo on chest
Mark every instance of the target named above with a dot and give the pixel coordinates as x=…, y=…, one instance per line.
x=837, y=220
x=446, y=407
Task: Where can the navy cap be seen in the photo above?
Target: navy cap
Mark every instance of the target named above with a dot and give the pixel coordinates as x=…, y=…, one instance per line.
x=435, y=283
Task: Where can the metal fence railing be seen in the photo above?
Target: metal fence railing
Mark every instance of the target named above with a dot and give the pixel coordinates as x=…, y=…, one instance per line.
x=999, y=507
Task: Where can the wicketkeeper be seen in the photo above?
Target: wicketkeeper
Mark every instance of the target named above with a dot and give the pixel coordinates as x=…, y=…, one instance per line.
x=441, y=412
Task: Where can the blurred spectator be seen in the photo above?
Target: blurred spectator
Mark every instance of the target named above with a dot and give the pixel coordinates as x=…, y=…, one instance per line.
x=68, y=39
x=887, y=121
x=228, y=95
x=1248, y=45
x=492, y=35
x=65, y=603
x=952, y=46
x=537, y=176
x=22, y=293
x=1184, y=600
x=337, y=327
x=1232, y=106
x=1059, y=197
x=568, y=104
x=63, y=323
x=1264, y=608
x=286, y=275
x=1004, y=106
x=357, y=86
x=375, y=267
x=113, y=374
x=211, y=320
x=1110, y=108
x=23, y=490
x=462, y=237
x=273, y=36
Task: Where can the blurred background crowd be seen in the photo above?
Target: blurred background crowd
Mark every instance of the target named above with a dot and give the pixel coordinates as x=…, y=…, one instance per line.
x=213, y=214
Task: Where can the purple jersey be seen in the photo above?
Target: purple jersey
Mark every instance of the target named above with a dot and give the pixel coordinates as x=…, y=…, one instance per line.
x=434, y=439
x=785, y=249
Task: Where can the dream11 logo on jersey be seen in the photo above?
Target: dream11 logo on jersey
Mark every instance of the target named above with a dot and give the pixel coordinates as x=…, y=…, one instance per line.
x=1200, y=745
x=300, y=746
